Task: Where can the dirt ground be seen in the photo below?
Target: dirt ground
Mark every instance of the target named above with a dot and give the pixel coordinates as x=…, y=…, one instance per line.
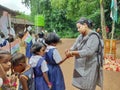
x=111, y=79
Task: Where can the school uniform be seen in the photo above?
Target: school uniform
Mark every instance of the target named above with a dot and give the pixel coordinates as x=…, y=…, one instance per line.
x=55, y=74
x=39, y=66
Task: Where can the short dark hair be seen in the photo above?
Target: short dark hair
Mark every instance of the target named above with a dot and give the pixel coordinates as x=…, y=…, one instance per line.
x=18, y=58
x=83, y=20
x=52, y=38
x=36, y=47
x=41, y=35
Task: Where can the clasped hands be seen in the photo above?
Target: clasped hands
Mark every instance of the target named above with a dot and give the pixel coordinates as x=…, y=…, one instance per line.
x=69, y=53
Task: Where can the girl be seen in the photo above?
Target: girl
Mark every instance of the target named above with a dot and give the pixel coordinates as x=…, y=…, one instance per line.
x=22, y=43
x=54, y=59
x=28, y=47
x=40, y=67
x=5, y=65
x=25, y=72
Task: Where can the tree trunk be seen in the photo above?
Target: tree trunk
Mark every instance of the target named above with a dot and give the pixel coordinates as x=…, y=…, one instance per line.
x=103, y=20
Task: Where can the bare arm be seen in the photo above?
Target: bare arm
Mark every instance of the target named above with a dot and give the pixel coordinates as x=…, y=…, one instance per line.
x=63, y=60
x=23, y=80
x=72, y=53
x=57, y=57
x=47, y=80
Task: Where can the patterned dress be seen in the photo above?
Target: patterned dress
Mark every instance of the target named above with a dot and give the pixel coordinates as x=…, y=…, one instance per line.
x=85, y=74
x=36, y=62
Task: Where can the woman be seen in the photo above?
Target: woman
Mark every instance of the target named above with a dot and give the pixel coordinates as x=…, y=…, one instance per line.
x=85, y=76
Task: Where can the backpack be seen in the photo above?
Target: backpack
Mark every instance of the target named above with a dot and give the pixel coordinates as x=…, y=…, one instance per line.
x=100, y=59
x=100, y=51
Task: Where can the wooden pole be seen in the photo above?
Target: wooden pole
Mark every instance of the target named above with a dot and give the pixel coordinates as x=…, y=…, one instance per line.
x=112, y=36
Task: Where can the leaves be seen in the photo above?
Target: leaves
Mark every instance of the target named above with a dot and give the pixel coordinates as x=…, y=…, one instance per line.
x=61, y=15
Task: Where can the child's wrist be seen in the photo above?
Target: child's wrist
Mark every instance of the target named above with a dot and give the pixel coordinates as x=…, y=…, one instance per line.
x=49, y=83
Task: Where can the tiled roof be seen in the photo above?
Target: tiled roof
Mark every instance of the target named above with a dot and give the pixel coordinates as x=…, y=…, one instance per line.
x=21, y=21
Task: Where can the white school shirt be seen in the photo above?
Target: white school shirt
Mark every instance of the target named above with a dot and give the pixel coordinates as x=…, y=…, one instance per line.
x=56, y=55
x=34, y=60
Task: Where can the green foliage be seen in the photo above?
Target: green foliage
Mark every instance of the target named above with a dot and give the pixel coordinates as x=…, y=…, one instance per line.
x=61, y=15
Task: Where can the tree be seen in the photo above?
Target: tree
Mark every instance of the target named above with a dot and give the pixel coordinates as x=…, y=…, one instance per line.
x=61, y=15
x=103, y=20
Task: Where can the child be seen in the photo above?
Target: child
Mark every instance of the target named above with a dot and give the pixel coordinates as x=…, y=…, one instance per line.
x=28, y=47
x=22, y=43
x=41, y=37
x=53, y=59
x=25, y=72
x=5, y=65
x=40, y=67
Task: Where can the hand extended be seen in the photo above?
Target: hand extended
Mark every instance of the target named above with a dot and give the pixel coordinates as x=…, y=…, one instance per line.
x=68, y=53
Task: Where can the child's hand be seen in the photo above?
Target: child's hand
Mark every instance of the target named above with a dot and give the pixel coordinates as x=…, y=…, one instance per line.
x=69, y=54
x=50, y=85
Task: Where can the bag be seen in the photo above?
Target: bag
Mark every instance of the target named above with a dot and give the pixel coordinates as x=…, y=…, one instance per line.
x=100, y=59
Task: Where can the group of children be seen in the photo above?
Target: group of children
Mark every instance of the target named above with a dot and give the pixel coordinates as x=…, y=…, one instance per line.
x=42, y=72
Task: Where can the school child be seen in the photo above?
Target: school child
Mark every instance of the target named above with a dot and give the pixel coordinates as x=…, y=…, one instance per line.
x=40, y=67
x=5, y=65
x=24, y=71
x=28, y=47
x=22, y=43
x=41, y=37
x=54, y=59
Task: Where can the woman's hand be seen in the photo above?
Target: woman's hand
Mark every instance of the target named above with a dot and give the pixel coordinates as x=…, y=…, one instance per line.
x=68, y=53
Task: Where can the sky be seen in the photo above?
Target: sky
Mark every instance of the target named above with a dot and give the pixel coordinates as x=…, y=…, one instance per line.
x=15, y=5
